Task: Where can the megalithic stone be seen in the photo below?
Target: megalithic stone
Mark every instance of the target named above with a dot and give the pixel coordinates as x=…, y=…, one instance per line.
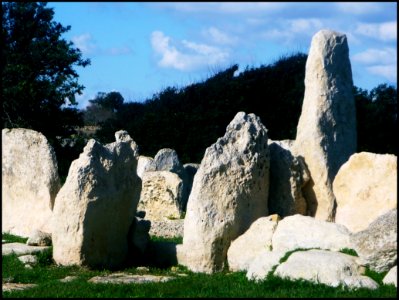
x=326, y=132
x=229, y=193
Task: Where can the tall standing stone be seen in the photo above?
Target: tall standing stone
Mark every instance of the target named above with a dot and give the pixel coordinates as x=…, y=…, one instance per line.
x=326, y=132
x=230, y=191
x=95, y=208
x=30, y=181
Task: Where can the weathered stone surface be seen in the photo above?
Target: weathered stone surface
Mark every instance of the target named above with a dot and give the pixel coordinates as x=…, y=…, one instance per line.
x=230, y=191
x=288, y=176
x=39, y=238
x=321, y=266
x=10, y=286
x=125, y=278
x=191, y=169
x=365, y=188
x=305, y=232
x=143, y=164
x=96, y=206
x=326, y=132
x=257, y=239
x=21, y=249
x=30, y=181
x=69, y=278
x=139, y=236
x=263, y=264
x=167, y=228
x=391, y=277
x=377, y=245
x=28, y=259
x=167, y=160
x=161, y=195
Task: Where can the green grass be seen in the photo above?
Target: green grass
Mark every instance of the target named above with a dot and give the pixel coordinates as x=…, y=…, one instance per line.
x=13, y=238
x=225, y=284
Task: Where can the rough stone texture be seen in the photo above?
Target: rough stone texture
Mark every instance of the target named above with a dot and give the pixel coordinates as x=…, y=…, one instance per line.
x=69, y=278
x=257, y=239
x=30, y=181
x=167, y=228
x=377, y=245
x=143, y=164
x=365, y=188
x=96, y=206
x=191, y=169
x=125, y=278
x=326, y=132
x=161, y=195
x=263, y=264
x=39, y=238
x=391, y=277
x=167, y=160
x=321, y=266
x=10, y=286
x=305, y=232
x=139, y=236
x=28, y=259
x=21, y=249
x=288, y=176
x=229, y=192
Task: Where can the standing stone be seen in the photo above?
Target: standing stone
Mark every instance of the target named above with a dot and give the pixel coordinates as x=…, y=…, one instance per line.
x=288, y=176
x=96, y=206
x=30, y=181
x=229, y=192
x=365, y=188
x=143, y=165
x=161, y=195
x=167, y=160
x=377, y=245
x=326, y=132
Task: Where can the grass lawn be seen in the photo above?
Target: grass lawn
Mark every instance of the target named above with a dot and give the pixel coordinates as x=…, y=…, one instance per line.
x=225, y=284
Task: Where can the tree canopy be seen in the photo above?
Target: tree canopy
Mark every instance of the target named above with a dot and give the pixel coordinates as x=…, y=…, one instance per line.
x=39, y=82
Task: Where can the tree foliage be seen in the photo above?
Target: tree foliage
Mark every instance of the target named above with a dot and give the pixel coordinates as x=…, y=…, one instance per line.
x=39, y=82
x=192, y=118
x=102, y=107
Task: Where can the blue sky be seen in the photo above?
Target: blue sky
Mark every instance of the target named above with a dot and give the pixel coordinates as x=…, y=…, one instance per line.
x=140, y=48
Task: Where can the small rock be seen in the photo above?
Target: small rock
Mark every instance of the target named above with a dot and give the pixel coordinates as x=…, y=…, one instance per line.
x=8, y=287
x=39, y=238
x=124, y=278
x=28, y=266
x=68, y=279
x=28, y=259
x=391, y=277
x=21, y=249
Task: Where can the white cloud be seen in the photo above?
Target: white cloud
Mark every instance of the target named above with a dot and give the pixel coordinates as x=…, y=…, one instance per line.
x=383, y=31
x=387, y=71
x=359, y=8
x=190, y=55
x=372, y=56
x=84, y=43
x=295, y=29
x=219, y=37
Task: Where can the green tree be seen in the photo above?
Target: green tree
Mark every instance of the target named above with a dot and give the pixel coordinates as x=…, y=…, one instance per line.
x=103, y=107
x=39, y=82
